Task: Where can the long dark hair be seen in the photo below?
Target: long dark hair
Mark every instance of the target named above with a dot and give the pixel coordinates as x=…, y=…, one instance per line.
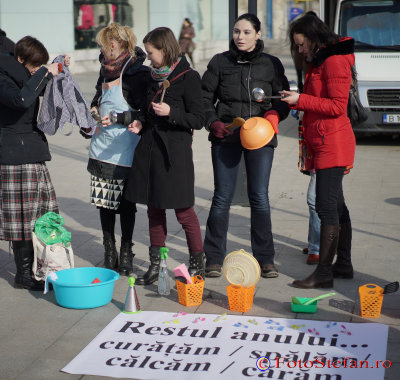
x=312, y=27
x=252, y=18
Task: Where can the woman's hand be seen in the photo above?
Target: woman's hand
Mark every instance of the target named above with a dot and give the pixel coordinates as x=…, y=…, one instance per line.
x=53, y=69
x=105, y=121
x=135, y=127
x=290, y=97
x=67, y=60
x=161, y=109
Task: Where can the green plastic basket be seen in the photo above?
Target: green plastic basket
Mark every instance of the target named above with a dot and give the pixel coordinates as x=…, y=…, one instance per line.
x=311, y=308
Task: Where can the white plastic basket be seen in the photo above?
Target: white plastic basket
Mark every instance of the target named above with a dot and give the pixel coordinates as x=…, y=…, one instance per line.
x=241, y=268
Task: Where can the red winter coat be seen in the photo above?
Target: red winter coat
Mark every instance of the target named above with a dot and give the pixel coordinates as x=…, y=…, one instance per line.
x=327, y=130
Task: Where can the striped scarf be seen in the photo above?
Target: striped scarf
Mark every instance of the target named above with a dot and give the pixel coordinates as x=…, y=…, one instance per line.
x=163, y=72
x=112, y=68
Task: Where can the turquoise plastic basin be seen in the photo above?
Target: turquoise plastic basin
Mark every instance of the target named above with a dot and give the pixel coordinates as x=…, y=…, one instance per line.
x=74, y=288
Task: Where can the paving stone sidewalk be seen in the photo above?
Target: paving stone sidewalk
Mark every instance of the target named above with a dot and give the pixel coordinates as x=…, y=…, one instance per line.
x=38, y=337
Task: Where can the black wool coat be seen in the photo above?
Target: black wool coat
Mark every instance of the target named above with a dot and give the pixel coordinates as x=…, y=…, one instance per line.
x=227, y=88
x=6, y=45
x=21, y=142
x=162, y=172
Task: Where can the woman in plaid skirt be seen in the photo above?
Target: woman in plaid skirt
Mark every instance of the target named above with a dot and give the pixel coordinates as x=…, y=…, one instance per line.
x=26, y=191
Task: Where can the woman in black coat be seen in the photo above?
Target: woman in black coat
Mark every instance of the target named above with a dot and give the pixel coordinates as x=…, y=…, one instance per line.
x=227, y=89
x=162, y=174
x=26, y=191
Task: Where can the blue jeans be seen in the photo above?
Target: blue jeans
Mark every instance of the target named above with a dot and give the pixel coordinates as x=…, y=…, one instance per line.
x=226, y=159
x=314, y=223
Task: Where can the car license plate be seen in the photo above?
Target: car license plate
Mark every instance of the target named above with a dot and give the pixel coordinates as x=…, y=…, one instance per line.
x=391, y=118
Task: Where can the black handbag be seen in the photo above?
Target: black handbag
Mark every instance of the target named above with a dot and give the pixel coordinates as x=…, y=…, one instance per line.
x=355, y=110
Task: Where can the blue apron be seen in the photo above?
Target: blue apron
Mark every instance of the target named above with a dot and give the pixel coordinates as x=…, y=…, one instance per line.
x=113, y=144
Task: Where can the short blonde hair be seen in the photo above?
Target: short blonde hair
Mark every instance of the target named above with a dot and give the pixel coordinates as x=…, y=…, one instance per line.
x=122, y=34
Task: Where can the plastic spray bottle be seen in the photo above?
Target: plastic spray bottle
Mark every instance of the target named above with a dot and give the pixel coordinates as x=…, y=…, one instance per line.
x=164, y=282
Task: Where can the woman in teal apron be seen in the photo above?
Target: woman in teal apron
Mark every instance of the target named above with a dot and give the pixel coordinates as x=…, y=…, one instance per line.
x=121, y=87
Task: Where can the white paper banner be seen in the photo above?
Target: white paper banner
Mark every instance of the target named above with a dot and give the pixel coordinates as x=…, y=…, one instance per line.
x=158, y=345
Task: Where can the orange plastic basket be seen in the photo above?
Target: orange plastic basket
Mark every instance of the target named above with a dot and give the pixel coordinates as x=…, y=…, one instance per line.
x=371, y=297
x=190, y=294
x=240, y=298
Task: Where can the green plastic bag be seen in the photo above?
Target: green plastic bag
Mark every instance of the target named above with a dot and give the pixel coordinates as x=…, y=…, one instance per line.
x=49, y=229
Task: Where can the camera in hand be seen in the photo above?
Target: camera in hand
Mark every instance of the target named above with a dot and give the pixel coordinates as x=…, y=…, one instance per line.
x=124, y=118
x=96, y=116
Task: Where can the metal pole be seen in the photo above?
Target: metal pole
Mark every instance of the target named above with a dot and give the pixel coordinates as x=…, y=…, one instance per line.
x=270, y=26
x=233, y=14
x=252, y=6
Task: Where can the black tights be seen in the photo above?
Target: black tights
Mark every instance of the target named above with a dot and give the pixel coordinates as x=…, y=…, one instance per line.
x=330, y=204
x=127, y=211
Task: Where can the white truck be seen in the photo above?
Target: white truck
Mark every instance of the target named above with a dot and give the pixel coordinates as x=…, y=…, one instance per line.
x=375, y=27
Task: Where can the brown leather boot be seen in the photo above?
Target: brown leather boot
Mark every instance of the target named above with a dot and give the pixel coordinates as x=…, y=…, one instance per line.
x=343, y=267
x=322, y=277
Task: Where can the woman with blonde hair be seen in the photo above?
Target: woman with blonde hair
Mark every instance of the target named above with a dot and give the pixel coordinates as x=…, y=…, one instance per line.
x=120, y=90
x=162, y=174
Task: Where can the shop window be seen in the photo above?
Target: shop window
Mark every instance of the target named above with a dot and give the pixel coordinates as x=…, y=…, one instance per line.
x=92, y=15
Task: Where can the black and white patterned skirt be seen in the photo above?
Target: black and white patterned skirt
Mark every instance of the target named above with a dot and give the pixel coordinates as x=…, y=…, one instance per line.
x=26, y=193
x=105, y=192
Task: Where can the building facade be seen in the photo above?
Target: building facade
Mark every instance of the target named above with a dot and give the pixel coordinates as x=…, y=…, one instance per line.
x=70, y=26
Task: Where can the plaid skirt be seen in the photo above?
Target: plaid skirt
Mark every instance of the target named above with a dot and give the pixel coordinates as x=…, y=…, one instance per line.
x=26, y=193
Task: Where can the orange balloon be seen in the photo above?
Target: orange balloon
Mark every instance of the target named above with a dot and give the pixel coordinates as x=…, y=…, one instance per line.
x=256, y=132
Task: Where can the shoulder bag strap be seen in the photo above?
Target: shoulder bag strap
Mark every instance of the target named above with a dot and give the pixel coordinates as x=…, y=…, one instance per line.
x=161, y=88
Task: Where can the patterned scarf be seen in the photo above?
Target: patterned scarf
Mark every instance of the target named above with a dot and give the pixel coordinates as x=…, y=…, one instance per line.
x=163, y=72
x=112, y=68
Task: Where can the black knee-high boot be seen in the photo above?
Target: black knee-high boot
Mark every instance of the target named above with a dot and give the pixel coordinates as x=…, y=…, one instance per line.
x=110, y=253
x=23, y=256
x=107, y=219
x=127, y=216
x=322, y=277
x=152, y=273
x=343, y=268
x=125, y=258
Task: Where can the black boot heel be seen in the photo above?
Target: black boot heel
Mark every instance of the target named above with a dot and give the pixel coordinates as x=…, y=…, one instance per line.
x=152, y=273
x=110, y=254
x=125, y=258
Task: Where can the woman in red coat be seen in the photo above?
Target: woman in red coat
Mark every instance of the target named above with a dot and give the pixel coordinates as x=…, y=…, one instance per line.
x=329, y=139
